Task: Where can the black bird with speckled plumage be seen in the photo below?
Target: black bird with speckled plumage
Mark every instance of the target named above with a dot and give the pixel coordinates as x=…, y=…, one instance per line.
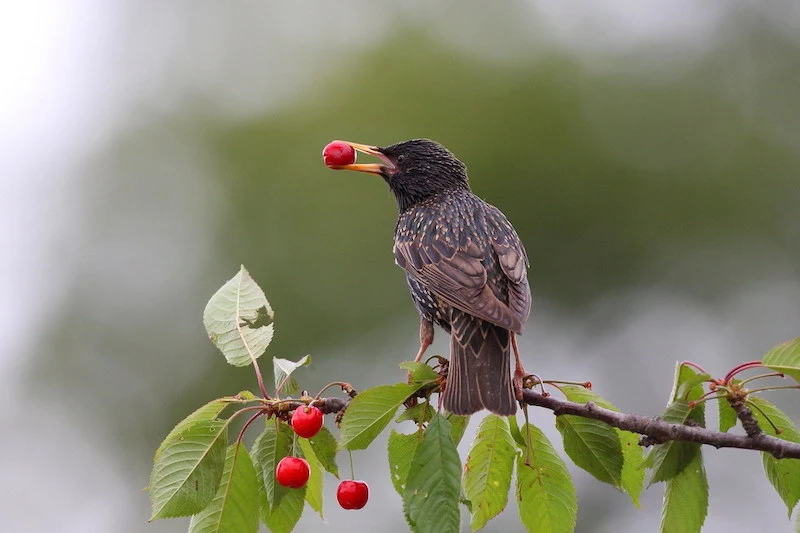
x=466, y=269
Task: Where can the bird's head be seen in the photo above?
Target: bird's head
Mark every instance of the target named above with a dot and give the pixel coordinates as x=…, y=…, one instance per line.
x=415, y=170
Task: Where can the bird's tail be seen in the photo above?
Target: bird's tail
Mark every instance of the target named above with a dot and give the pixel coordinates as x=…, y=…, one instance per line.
x=480, y=368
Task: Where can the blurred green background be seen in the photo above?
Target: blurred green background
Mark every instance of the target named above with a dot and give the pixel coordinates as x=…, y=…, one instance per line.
x=647, y=153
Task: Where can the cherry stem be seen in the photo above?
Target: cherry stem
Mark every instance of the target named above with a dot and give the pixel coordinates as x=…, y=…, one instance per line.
x=760, y=376
x=247, y=424
x=707, y=396
x=776, y=387
x=693, y=365
x=576, y=383
x=741, y=368
x=748, y=403
x=341, y=384
x=352, y=472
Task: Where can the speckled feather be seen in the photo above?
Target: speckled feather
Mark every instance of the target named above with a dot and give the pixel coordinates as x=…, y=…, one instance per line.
x=466, y=270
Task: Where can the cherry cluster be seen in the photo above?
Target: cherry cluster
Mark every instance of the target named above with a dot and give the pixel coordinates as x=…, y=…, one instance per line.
x=293, y=472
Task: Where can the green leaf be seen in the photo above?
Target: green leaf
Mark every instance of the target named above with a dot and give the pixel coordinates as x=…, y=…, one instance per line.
x=188, y=467
x=727, y=416
x=208, y=412
x=593, y=446
x=238, y=319
x=314, y=486
x=401, y=452
x=459, y=426
x=670, y=458
x=633, y=471
x=420, y=372
x=430, y=501
x=687, y=384
x=370, y=412
x=783, y=474
x=285, y=516
x=419, y=414
x=324, y=446
x=282, y=370
x=545, y=494
x=785, y=358
x=272, y=445
x=686, y=499
x=234, y=508
x=487, y=472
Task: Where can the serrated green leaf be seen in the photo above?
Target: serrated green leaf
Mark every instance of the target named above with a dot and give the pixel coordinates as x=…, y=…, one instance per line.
x=401, y=452
x=785, y=358
x=668, y=459
x=209, y=411
x=234, y=508
x=419, y=414
x=284, y=517
x=238, y=320
x=272, y=445
x=783, y=474
x=370, y=412
x=727, y=416
x=188, y=467
x=633, y=471
x=314, y=486
x=430, y=501
x=458, y=424
x=593, y=446
x=324, y=446
x=487, y=472
x=686, y=499
x=282, y=369
x=545, y=494
x=420, y=372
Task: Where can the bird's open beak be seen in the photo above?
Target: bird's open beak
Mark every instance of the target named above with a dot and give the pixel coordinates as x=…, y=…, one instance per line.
x=372, y=168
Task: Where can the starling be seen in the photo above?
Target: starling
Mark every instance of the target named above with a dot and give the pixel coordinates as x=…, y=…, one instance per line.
x=465, y=267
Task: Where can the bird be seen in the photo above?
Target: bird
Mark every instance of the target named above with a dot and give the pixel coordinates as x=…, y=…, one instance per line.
x=466, y=270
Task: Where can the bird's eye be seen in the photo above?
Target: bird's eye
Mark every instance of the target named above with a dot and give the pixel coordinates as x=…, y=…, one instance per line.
x=401, y=158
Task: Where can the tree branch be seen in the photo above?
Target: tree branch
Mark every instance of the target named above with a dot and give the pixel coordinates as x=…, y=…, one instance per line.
x=664, y=431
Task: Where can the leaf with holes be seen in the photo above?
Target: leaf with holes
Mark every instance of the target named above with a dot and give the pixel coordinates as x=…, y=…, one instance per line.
x=487, y=472
x=401, y=452
x=238, y=319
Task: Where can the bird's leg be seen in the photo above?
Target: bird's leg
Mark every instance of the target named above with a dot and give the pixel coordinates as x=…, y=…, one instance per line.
x=519, y=371
x=425, y=337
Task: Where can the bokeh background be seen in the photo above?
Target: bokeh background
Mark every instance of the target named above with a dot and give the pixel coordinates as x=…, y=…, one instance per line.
x=647, y=152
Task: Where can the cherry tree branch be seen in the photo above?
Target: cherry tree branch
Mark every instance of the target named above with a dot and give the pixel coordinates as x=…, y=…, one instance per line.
x=659, y=431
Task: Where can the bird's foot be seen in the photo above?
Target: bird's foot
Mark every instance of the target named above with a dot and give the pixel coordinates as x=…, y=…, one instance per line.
x=523, y=380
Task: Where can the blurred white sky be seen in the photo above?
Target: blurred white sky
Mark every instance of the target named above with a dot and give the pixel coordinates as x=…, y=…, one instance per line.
x=77, y=73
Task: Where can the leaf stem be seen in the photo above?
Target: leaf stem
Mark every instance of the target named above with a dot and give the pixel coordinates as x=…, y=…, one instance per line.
x=247, y=424
x=760, y=376
x=694, y=365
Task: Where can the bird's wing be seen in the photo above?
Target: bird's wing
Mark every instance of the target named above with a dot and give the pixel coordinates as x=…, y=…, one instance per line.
x=455, y=272
x=513, y=261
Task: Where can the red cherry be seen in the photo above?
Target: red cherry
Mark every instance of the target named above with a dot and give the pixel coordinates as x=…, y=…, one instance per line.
x=352, y=494
x=338, y=153
x=306, y=421
x=292, y=472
